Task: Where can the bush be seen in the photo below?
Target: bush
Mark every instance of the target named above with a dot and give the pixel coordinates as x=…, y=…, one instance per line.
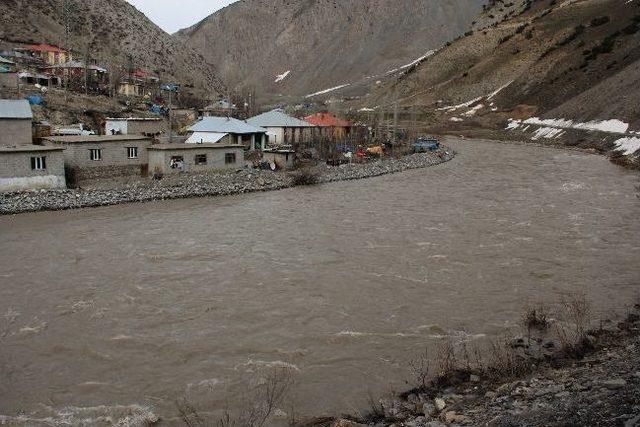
x=305, y=177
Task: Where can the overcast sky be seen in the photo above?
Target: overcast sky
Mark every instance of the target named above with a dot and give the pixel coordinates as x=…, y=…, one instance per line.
x=173, y=15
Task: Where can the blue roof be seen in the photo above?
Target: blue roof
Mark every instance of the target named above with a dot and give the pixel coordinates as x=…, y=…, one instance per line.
x=225, y=125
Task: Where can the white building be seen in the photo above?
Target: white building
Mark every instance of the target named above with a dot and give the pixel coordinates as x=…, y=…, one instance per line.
x=228, y=131
x=283, y=129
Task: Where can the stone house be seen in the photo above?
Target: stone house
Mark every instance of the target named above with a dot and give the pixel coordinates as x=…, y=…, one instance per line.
x=176, y=158
x=23, y=165
x=103, y=156
x=283, y=129
x=147, y=126
x=227, y=131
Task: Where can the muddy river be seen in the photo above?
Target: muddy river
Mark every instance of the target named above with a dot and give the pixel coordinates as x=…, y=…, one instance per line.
x=344, y=283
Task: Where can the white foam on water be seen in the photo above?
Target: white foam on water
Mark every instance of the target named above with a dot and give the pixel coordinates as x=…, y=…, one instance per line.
x=117, y=415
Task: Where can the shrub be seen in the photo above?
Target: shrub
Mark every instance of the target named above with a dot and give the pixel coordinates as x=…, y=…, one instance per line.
x=305, y=177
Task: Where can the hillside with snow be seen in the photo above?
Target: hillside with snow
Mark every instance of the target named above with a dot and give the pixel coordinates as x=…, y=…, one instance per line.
x=289, y=49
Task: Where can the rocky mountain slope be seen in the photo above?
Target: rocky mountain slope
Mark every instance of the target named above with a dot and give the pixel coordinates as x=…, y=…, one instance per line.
x=299, y=47
x=564, y=71
x=116, y=33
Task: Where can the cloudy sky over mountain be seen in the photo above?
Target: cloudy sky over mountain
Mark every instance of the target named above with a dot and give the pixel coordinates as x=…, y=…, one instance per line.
x=173, y=15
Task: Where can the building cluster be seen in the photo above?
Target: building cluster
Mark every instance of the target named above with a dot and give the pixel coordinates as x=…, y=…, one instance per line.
x=31, y=158
x=49, y=66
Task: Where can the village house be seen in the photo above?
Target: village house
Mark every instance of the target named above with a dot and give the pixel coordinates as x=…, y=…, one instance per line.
x=8, y=76
x=147, y=126
x=176, y=158
x=77, y=75
x=139, y=83
x=283, y=129
x=48, y=54
x=24, y=166
x=103, y=156
x=220, y=108
x=45, y=80
x=330, y=126
x=227, y=131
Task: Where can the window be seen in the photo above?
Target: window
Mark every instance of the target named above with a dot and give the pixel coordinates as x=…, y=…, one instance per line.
x=95, y=154
x=229, y=158
x=132, y=152
x=201, y=159
x=177, y=162
x=38, y=163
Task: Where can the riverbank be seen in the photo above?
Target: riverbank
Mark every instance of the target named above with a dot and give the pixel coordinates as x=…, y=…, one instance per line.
x=206, y=185
x=595, y=381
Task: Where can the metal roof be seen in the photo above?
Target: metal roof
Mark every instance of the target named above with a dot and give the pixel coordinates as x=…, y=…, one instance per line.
x=225, y=125
x=88, y=139
x=5, y=61
x=278, y=119
x=15, y=109
x=205, y=138
x=171, y=147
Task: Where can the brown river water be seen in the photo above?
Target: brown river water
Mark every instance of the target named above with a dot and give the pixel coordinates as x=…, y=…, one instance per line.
x=344, y=282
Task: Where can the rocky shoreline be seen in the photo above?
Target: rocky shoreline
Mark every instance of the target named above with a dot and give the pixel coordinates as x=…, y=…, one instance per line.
x=599, y=385
x=205, y=185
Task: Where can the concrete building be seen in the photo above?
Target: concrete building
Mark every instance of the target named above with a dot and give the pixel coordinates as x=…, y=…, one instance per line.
x=24, y=166
x=151, y=126
x=227, y=131
x=15, y=122
x=31, y=167
x=281, y=158
x=103, y=156
x=176, y=158
x=283, y=129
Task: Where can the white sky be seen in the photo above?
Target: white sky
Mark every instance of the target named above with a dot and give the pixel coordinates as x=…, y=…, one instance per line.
x=173, y=15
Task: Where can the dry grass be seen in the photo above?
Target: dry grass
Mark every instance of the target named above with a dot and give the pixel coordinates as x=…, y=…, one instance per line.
x=260, y=405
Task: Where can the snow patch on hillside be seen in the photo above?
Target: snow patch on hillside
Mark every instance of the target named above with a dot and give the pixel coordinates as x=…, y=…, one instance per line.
x=628, y=146
x=281, y=77
x=322, y=92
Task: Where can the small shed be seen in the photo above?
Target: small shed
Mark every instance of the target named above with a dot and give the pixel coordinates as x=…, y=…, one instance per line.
x=282, y=158
x=176, y=158
x=147, y=126
x=15, y=122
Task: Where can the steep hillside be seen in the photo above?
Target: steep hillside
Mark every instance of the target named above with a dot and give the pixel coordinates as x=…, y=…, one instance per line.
x=114, y=31
x=299, y=47
x=576, y=60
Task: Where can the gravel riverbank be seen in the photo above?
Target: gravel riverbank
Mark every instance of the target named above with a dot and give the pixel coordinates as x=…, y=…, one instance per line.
x=204, y=185
x=599, y=386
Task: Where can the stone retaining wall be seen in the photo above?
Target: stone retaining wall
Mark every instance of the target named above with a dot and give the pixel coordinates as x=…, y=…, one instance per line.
x=204, y=185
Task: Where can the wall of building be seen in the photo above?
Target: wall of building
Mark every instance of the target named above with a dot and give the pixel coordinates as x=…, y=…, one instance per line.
x=147, y=127
x=114, y=153
x=16, y=173
x=281, y=160
x=15, y=132
x=160, y=160
x=8, y=83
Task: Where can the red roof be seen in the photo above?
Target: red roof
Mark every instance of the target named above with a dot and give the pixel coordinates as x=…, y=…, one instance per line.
x=141, y=74
x=327, y=120
x=44, y=48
